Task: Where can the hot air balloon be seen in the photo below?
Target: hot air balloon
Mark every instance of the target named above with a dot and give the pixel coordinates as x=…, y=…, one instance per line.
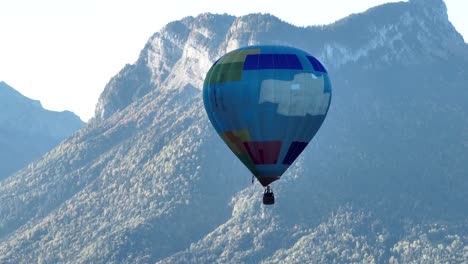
x=267, y=103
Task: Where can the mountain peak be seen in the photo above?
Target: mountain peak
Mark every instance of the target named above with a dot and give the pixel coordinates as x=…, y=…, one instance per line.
x=202, y=39
x=7, y=90
x=436, y=4
x=27, y=130
x=8, y=93
x=435, y=9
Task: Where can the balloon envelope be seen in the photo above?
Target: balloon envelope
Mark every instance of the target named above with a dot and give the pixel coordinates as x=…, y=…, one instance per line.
x=267, y=103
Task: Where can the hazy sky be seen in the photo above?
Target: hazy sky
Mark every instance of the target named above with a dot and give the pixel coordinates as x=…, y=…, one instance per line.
x=63, y=52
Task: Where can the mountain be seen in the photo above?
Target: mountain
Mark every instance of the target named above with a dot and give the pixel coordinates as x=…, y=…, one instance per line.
x=149, y=181
x=27, y=130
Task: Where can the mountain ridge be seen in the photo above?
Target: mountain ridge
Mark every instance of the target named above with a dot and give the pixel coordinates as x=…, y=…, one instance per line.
x=330, y=50
x=27, y=130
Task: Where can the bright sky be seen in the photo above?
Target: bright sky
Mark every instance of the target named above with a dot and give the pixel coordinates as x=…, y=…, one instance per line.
x=63, y=52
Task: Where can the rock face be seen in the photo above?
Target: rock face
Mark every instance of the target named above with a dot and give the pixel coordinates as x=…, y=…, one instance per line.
x=27, y=130
x=148, y=180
